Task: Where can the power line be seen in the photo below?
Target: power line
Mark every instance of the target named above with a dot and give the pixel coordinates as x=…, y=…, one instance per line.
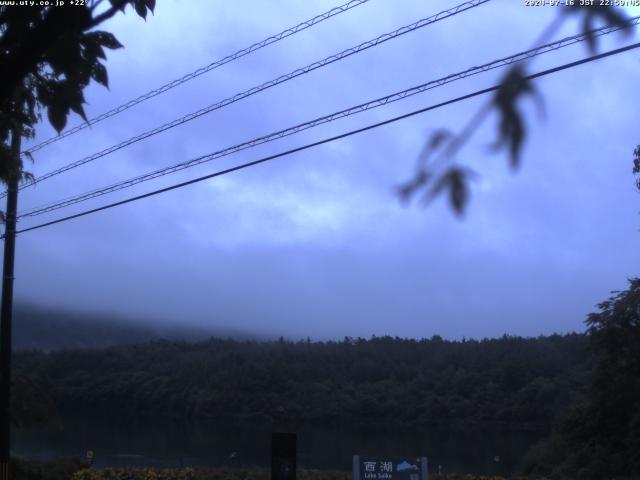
x=252, y=91
x=327, y=140
x=200, y=71
x=35, y=211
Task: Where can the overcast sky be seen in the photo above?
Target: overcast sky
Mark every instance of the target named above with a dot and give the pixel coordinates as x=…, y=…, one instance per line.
x=317, y=244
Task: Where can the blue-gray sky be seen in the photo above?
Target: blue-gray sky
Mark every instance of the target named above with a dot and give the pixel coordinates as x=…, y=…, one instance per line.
x=317, y=244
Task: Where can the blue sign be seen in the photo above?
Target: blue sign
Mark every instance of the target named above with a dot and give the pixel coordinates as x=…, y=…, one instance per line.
x=385, y=468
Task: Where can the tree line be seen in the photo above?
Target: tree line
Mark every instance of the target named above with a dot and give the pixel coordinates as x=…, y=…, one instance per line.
x=583, y=388
x=382, y=380
x=599, y=436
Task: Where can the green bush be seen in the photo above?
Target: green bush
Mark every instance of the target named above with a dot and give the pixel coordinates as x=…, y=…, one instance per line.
x=62, y=469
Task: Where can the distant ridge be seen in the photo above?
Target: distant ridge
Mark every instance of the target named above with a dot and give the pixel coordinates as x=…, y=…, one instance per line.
x=38, y=327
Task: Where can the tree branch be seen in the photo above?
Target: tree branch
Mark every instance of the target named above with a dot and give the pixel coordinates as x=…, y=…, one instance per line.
x=54, y=25
x=116, y=6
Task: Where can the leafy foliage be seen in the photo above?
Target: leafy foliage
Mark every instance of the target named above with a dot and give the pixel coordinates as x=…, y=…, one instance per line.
x=76, y=470
x=61, y=469
x=30, y=406
x=454, y=180
x=636, y=165
x=235, y=474
x=600, y=436
x=511, y=125
x=599, y=11
x=48, y=56
x=435, y=179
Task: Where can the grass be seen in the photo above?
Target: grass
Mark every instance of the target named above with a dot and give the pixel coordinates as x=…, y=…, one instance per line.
x=74, y=469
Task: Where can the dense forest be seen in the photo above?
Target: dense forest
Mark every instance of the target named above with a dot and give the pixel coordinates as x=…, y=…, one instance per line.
x=583, y=388
x=384, y=380
x=599, y=436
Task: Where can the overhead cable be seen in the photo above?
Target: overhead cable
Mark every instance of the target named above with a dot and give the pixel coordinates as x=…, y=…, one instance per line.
x=200, y=71
x=327, y=140
x=35, y=211
x=272, y=83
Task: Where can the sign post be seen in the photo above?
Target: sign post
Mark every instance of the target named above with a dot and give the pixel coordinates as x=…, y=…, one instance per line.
x=283, y=456
x=89, y=456
x=386, y=468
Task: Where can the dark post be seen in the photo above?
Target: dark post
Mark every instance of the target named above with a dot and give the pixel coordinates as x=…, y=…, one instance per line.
x=283, y=456
x=6, y=311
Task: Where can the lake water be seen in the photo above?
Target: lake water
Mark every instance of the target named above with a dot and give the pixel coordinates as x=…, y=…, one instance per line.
x=481, y=450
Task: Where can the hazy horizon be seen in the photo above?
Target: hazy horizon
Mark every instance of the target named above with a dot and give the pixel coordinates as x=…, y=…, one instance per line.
x=222, y=330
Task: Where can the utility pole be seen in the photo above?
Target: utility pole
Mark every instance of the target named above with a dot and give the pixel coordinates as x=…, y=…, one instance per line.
x=6, y=310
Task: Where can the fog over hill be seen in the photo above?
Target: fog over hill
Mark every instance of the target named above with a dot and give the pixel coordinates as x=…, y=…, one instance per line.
x=52, y=328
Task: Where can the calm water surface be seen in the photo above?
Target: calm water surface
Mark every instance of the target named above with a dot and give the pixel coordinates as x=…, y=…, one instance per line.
x=482, y=450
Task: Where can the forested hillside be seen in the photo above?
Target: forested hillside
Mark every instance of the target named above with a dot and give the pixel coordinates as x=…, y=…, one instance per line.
x=599, y=436
x=382, y=380
x=43, y=328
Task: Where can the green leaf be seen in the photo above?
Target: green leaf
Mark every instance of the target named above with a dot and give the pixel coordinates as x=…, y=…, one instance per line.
x=65, y=95
x=511, y=125
x=636, y=165
x=57, y=114
x=28, y=177
x=455, y=182
x=589, y=35
x=442, y=183
x=43, y=91
x=608, y=14
x=64, y=54
x=81, y=74
x=99, y=74
x=30, y=102
x=76, y=100
x=92, y=48
x=458, y=192
x=107, y=40
x=119, y=4
x=141, y=8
